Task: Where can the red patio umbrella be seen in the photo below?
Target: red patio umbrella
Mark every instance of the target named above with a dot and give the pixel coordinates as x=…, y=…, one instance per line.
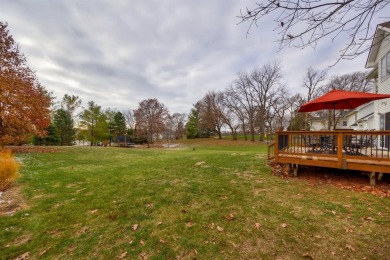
x=340, y=99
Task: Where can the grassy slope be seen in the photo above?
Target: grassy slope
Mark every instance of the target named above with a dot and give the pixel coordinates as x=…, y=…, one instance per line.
x=85, y=201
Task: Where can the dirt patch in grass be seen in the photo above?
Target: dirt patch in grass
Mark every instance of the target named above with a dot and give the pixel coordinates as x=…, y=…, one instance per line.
x=349, y=180
x=11, y=201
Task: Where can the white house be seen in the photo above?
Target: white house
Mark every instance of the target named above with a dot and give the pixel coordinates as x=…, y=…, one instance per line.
x=377, y=113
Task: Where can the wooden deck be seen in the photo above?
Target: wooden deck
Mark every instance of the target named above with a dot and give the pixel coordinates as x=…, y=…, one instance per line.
x=366, y=151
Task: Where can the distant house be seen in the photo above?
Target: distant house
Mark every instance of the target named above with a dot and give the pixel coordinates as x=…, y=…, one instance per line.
x=321, y=123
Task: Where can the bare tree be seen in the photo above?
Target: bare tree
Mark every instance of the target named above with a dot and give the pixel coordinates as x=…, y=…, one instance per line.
x=178, y=124
x=280, y=109
x=235, y=106
x=150, y=118
x=305, y=23
x=130, y=120
x=355, y=81
x=297, y=120
x=244, y=94
x=266, y=83
x=210, y=112
x=312, y=80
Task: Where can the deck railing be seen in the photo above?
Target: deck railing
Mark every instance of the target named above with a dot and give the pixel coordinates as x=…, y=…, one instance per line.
x=344, y=149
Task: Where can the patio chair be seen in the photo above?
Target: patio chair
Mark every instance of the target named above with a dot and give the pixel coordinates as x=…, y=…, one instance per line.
x=355, y=143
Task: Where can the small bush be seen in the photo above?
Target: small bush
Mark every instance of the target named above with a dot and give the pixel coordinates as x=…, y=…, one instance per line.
x=8, y=169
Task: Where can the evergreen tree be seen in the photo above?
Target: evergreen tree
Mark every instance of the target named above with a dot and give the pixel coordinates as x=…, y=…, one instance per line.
x=192, y=126
x=52, y=137
x=119, y=124
x=64, y=123
x=109, y=114
x=93, y=123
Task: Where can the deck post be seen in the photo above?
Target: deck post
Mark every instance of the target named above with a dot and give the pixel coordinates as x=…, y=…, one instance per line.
x=276, y=146
x=380, y=175
x=372, y=178
x=340, y=150
x=295, y=170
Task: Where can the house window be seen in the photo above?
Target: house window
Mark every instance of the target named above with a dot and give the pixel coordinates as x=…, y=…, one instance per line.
x=345, y=123
x=385, y=66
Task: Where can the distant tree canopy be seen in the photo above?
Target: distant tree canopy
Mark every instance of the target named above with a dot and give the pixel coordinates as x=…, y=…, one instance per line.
x=151, y=118
x=50, y=139
x=198, y=126
x=93, y=124
x=64, y=124
x=24, y=102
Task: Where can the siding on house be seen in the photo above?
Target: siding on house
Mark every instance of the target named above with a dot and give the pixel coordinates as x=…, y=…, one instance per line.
x=379, y=48
x=383, y=86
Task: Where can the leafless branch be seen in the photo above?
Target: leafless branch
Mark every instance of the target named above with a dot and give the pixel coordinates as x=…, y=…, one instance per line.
x=303, y=23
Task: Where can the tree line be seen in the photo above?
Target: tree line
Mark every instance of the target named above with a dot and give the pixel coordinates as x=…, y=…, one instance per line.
x=256, y=102
x=150, y=121
x=259, y=102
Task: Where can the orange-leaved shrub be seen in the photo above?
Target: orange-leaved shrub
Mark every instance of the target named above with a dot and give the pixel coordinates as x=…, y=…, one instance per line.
x=9, y=169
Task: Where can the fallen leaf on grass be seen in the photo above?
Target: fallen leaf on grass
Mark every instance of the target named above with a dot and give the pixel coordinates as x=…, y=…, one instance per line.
x=349, y=247
x=142, y=242
x=230, y=217
x=333, y=212
x=82, y=231
x=348, y=230
x=92, y=211
x=123, y=255
x=24, y=256
x=284, y=225
x=159, y=223
x=199, y=163
x=257, y=225
x=212, y=225
x=44, y=251
x=184, y=211
x=234, y=244
x=189, y=224
x=135, y=227
x=306, y=255
x=143, y=256
x=368, y=218
x=162, y=241
x=220, y=229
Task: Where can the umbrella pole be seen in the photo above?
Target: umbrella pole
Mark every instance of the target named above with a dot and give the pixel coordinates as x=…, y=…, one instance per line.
x=334, y=119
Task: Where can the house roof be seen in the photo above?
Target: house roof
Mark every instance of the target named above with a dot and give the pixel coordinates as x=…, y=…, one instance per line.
x=373, y=74
x=376, y=42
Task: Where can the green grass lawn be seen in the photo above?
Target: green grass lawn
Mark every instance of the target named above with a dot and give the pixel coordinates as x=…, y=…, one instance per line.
x=217, y=201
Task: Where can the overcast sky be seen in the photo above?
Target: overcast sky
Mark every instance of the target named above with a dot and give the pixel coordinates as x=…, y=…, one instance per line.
x=118, y=53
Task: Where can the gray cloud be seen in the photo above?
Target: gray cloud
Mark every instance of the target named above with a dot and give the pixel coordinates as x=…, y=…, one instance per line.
x=118, y=53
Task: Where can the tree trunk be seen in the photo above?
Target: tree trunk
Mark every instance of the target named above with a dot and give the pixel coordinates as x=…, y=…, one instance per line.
x=252, y=132
x=244, y=130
